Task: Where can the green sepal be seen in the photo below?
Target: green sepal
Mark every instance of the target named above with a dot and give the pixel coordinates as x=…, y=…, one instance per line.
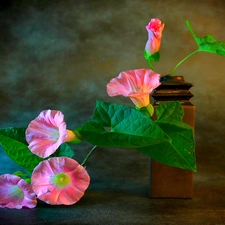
x=147, y=110
x=207, y=43
x=152, y=58
x=76, y=140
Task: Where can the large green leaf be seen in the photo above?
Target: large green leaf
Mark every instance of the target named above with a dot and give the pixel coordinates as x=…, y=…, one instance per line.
x=208, y=43
x=167, y=140
x=15, y=133
x=19, y=152
x=115, y=125
x=14, y=143
x=180, y=152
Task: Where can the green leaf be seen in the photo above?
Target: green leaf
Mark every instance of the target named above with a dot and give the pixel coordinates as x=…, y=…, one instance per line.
x=170, y=111
x=15, y=133
x=64, y=150
x=24, y=176
x=208, y=43
x=167, y=140
x=114, y=125
x=180, y=152
x=14, y=143
x=18, y=151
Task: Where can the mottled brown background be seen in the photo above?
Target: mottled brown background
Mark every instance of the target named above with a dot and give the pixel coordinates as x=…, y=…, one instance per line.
x=61, y=54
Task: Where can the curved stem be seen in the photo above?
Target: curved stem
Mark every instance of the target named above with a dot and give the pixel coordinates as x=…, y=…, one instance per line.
x=183, y=61
x=88, y=155
x=151, y=66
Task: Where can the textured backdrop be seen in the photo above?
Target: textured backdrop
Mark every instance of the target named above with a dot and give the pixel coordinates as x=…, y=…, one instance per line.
x=61, y=54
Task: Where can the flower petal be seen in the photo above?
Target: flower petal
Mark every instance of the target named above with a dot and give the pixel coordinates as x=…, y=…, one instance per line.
x=46, y=133
x=16, y=192
x=47, y=176
x=136, y=84
x=154, y=28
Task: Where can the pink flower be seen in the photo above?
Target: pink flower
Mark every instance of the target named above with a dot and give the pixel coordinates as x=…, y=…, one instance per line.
x=59, y=180
x=154, y=28
x=135, y=84
x=16, y=193
x=47, y=132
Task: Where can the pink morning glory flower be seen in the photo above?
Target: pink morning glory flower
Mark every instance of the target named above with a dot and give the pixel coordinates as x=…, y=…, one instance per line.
x=154, y=28
x=59, y=180
x=135, y=84
x=47, y=132
x=16, y=193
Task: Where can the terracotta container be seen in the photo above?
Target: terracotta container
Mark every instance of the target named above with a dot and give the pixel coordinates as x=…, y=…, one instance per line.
x=167, y=181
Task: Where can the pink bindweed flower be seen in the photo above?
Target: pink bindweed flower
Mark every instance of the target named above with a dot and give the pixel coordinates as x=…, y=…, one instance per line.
x=59, y=180
x=135, y=84
x=16, y=193
x=47, y=132
x=154, y=28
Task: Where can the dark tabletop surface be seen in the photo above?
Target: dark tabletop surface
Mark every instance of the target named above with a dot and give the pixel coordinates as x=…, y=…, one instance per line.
x=118, y=194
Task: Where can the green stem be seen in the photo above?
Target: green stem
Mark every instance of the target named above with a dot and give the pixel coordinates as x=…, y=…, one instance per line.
x=151, y=66
x=183, y=61
x=88, y=155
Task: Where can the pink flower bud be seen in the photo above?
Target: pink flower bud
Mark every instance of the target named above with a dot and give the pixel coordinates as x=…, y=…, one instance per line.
x=154, y=28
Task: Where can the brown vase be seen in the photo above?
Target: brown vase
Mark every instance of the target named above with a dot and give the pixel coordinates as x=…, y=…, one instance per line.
x=167, y=181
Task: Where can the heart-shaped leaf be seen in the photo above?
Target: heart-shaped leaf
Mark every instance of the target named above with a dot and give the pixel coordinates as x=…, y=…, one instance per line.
x=115, y=125
x=180, y=152
x=167, y=140
x=208, y=43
